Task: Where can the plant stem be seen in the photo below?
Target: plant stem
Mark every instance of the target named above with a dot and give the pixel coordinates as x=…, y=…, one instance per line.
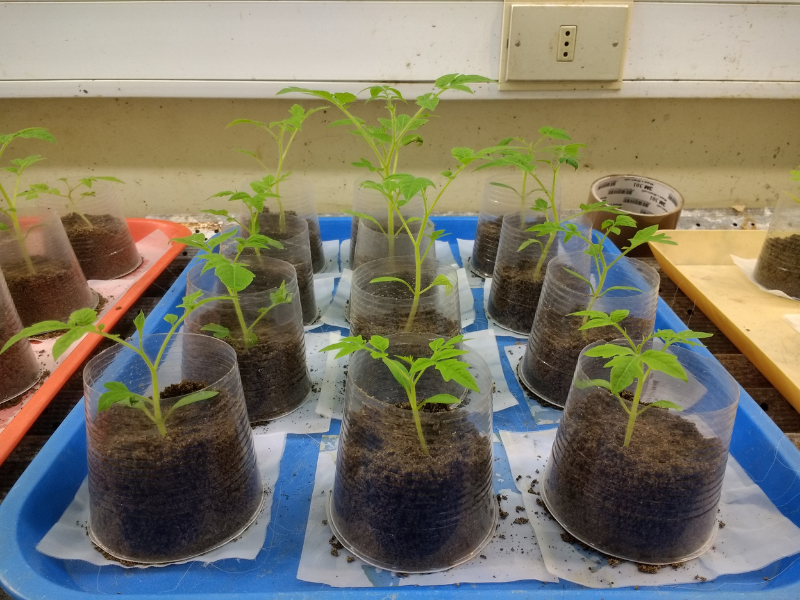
x=412, y=397
x=12, y=214
x=634, y=409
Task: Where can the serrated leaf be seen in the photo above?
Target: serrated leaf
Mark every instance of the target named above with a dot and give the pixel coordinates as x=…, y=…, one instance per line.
x=34, y=330
x=399, y=372
x=608, y=350
x=442, y=399
x=457, y=371
x=191, y=399
x=428, y=101
x=624, y=369
x=171, y=318
x=553, y=133
x=618, y=315
x=63, y=343
x=218, y=331
x=139, y=322
x=234, y=276
x=443, y=280
x=117, y=392
x=665, y=362
x=83, y=316
x=379, y=342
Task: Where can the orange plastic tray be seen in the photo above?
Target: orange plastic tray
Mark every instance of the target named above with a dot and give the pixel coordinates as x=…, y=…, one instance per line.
x=22, y=421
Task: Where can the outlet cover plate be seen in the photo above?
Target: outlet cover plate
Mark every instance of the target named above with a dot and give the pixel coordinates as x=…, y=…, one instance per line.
x=531, y=44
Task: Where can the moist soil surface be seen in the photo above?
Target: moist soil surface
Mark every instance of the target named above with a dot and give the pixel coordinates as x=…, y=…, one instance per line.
x=105, y=249
x=515, y=295
x=778, y=266
x=548, y=367
x=159, y=499
x=427, y=319
x=484, y=253
x=53, y=292
x=654, y=501
x=399, y=507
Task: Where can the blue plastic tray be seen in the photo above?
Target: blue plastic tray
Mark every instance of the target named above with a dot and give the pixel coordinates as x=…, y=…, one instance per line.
x=48, y=485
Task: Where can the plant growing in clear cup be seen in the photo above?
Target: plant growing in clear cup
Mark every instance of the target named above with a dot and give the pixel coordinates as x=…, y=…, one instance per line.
x=171, y=461
x=413, y=491
x=389, y=136
x=637, y=465
x=94, y=223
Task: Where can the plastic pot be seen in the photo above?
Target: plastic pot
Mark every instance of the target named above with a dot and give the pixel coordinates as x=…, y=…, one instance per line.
x=519, y=275
x=98, y=234
x=496, y=203
x=778, y=265
x=393, y=506
x=272, y=367
x=654, y=501
x=296, y=251
x=374, y=242
x=19, y=369
x=373, y=203
x=155, y=499
x=297, y=197
x=42, y=273
x=555, y=343
x=384, y=308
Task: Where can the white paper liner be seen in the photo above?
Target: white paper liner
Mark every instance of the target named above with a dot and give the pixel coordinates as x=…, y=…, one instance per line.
x=330, y=249
x=514, y=558
x=305, y=419
x=465, y=248
x=151, y=247
x=331, y=399
x=344, y=255
x=334, y=314
x=67, y=539
x=542, y=415
x=793, y=321
x=323, y=292
x=490, y=323
x=748, y=267
x=755, y=533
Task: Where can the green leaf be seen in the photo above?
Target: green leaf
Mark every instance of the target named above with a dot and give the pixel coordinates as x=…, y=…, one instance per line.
x=624, y=369
x=457, y=371
x=618, y=315
x=117, y=392
x=139, y=323
x=396, y=279
x=665, y=362
x=579, y=276
x=553, y=133
x=463, y=155
x=582, y=384
x=442, y=399
x=218, y=331
x=379, y=342
x=421, y=364
x=234, y=276
x=191, y=399
x=428, y=101
x=70, y=337
x=409, y=185
x=608, y=350
x=34, y=330
x=443, y=280
x=365, y=164
x=663, y=404
x=171, y=319
x=83, y=316
x=399, y=372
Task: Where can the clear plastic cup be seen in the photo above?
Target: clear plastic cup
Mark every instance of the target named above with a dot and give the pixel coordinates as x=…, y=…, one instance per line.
x=19, y=369
x=272, y=367
x=778, y=266
x=41, y=271
x=374, y=242
x=393, y=506
x=373, y=203
x=555, y=342
x=519, y=275
x=384, y=308
x=155, y=499
x=297, y=197
x=654, y=501
x=98, y=233
x=296, y=251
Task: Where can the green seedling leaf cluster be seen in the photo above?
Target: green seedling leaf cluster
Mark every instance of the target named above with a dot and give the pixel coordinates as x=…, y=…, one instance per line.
x=236, y=277
x=12, y=195
x=407, y=370
x=635, y=362
x=82, y=322
x=283, y=133
x=72, y=201
x=795, y=176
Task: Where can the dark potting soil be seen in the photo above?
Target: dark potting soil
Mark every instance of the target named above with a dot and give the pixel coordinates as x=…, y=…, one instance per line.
x=548, y=367
x=427, y=319
x=778, y=266
x=156, y=499
x=314, y=236
x=105, y=249
x=52, y=292
x=655, y=501
x=484, y=253
x=515, y=295
x=183, y=388
x=400, y=507
x=19, y=369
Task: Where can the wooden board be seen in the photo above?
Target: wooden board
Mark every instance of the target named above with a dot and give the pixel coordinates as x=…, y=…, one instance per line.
x=752, y=319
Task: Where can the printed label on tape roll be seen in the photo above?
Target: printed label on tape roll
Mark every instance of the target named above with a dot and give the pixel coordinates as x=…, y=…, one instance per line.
x=638, y=195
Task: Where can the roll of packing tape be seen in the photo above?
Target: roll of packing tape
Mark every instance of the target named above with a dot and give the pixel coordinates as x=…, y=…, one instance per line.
x=648, y=201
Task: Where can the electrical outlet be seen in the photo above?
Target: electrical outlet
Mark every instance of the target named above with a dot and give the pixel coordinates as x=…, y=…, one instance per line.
x=567, y=40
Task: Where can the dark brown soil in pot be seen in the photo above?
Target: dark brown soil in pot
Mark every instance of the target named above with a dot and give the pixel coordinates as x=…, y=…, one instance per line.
x=180, y=495
x=515, y=295
x=778, y=266
x=484, y=253
x=104, y=249
x=656, y=499
x=53, y=292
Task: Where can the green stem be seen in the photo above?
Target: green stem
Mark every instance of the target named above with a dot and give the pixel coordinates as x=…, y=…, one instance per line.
x=412, y=397
x=634, y=409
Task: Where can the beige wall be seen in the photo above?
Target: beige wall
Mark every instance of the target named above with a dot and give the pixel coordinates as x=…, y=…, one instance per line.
x=173, y=154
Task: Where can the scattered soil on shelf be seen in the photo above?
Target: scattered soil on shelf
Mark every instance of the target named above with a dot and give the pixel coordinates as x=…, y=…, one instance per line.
x=668, y=480
x=105, y=249
x=548, y=367
x=155, y=498
x=778, y=266
x=52, y=292
x=487, y=239
x=515, y=295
